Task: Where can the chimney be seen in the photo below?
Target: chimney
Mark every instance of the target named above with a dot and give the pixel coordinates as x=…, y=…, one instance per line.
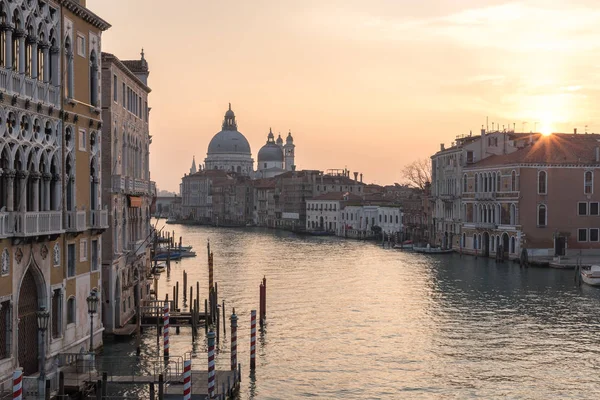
x=356, y=177
x=361, y=178
x=442, y=147
x=483, y=144
x=575, y=131
x=597, y=154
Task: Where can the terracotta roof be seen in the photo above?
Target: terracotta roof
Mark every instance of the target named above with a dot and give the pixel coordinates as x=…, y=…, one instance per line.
x=556, y=149
x=135, y=65
x=109, y=57
x=341, y=196
x=267, y=183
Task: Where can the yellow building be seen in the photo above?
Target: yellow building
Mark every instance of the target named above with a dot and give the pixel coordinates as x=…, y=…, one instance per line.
x=51, y=216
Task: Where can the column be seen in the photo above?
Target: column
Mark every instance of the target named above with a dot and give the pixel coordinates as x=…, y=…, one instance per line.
x=21, y=36
x=10, y=179
x=70, y=73
x=22, y=176
x=9, y=48
x=47, y=61
x=35, y=182
x=57, y=190
x=54, y=62
x=34, y=58
x=47, y=194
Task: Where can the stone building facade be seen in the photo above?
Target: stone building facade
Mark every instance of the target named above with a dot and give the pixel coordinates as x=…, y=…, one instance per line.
x=51, y=216
x=127, y=188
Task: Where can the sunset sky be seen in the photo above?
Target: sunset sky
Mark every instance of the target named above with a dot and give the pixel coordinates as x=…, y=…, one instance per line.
x=367, y=85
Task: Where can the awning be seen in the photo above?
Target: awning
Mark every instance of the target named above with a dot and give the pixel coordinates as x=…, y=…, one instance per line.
x=135, y=201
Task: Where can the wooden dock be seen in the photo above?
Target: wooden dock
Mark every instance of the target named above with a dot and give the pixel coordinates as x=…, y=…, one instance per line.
x=225, y=383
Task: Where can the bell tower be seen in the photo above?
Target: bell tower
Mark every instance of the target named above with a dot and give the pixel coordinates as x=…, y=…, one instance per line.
x=288, y=151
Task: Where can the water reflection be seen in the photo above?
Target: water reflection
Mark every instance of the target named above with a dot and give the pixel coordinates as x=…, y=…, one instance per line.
x=350, y=320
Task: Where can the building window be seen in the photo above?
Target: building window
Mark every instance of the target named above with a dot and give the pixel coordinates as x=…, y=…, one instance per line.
x=498, y=182
x=56, y=313
x=115, y=89
x=81, y=45
x=594, y=208
x=476, y=178
x=82, y=140
x=594, y=235
x=513, y=181
x=71, y=310
x=5, y=329
x=94, y=255
x=588, y=187
x=465, y=183
x=71, y=260
x=582, y=208
x=124, y=96
x=542, y=215
x=542, y=182
x=582, y=235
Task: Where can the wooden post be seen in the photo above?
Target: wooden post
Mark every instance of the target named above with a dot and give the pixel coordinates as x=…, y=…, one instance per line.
x=47, y=391
x=252, y=339
x=152, y=394
x=211, y=364
x=218, y=327
x=176, y=296
x=184, y=289
x=234, y=319
x=161, y=387
x=224, y=323
x=99, y=389
x=104, y=384
x=205, y=315
x=198, y=291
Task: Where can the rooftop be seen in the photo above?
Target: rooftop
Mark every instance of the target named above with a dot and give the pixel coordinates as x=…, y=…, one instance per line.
x=340, y=196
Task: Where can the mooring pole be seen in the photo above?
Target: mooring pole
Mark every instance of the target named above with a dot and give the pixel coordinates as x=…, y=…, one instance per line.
x=161, y=387
x=211, y=364
x=234, y=319
x=252, y=339
x=166, y=330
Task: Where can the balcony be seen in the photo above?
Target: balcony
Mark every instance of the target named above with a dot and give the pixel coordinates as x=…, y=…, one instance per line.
x=75, y=221
x=118, y=183
x=35, y=223
x=18, y=84
x=99, y=219
x=138, y=247
x=5, y=231
x=485, y=196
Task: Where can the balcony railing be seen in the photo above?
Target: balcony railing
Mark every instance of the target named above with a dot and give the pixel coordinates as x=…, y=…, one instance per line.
x=485, y=195
x=75, y=221
x=35, y=223
x=99, y=219
x=118, y=183
x=15, y=83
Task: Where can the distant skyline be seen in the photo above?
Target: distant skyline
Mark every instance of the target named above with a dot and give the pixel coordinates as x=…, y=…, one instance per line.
x=370, y=86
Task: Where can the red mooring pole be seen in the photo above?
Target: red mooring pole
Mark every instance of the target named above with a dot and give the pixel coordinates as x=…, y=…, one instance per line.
x=253, y=339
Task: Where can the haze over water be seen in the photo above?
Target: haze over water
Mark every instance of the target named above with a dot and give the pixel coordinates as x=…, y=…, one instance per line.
x=350, y=320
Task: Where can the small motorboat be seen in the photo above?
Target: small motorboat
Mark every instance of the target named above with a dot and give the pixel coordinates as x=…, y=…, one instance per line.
x=406, y=245
x=432, y=250
x=174, y=255
x=591, y=276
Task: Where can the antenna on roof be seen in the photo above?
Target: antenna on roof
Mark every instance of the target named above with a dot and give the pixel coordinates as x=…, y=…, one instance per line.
x=586, y=129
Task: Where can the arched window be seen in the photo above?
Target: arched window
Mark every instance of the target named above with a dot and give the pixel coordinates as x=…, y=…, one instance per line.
x=513, y=181
x=70, y=86
x=476, y=179
x=71, y=310
x=93, y=79
x=485, y=183
x=513, y=214
x=542, y=215
x=588, y=187
x=465, y=187
x=479, y=242
x=2, y=35
x=463, y=241
x=498, y=182
x=542, y=182
x=512, y=244
x=29, y=51
x=474, y=241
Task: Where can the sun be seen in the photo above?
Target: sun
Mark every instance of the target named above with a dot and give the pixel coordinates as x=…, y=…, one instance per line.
x=546, y=130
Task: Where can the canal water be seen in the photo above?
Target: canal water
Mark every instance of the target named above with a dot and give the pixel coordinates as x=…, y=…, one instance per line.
x=350, y=320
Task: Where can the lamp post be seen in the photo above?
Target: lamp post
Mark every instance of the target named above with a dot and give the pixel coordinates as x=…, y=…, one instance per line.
x=42, y=320
x=92, y=302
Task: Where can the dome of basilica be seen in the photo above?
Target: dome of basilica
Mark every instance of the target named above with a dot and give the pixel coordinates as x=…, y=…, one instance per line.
x=229, y=140
x=270, y=151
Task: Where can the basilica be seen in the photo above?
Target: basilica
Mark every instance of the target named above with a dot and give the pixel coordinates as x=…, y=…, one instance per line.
x=229, y=150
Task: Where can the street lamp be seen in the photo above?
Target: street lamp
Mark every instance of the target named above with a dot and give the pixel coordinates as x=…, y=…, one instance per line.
x=92, y=302
x=42, y=320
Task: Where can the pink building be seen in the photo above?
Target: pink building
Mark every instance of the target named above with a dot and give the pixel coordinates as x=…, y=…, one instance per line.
x=542, y=198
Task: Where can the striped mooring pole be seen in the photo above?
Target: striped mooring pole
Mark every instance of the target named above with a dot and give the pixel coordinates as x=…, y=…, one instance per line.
x=211, y=364
x=166, y=329
x=234, y=319
x=18, y=384
x=187, y=380
x=252, y=339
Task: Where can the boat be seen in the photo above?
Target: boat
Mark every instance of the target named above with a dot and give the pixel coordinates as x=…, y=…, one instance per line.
x=591, y=276
x=406, y=245
x=173, y=249
x=432, y=250
x=320, y=233
x=163, y=256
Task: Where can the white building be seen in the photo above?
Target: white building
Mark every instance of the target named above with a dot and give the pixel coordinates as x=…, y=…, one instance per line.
x=359, y=220
x=323, y=212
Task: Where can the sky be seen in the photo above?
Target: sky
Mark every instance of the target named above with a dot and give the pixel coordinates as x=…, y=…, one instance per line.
x=364, y=85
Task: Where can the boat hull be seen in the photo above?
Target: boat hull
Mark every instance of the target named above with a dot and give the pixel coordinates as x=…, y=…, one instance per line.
x=589, y=279
x=432, y=250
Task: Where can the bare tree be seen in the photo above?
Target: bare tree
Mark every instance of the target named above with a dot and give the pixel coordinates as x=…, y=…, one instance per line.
x=418, y=173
